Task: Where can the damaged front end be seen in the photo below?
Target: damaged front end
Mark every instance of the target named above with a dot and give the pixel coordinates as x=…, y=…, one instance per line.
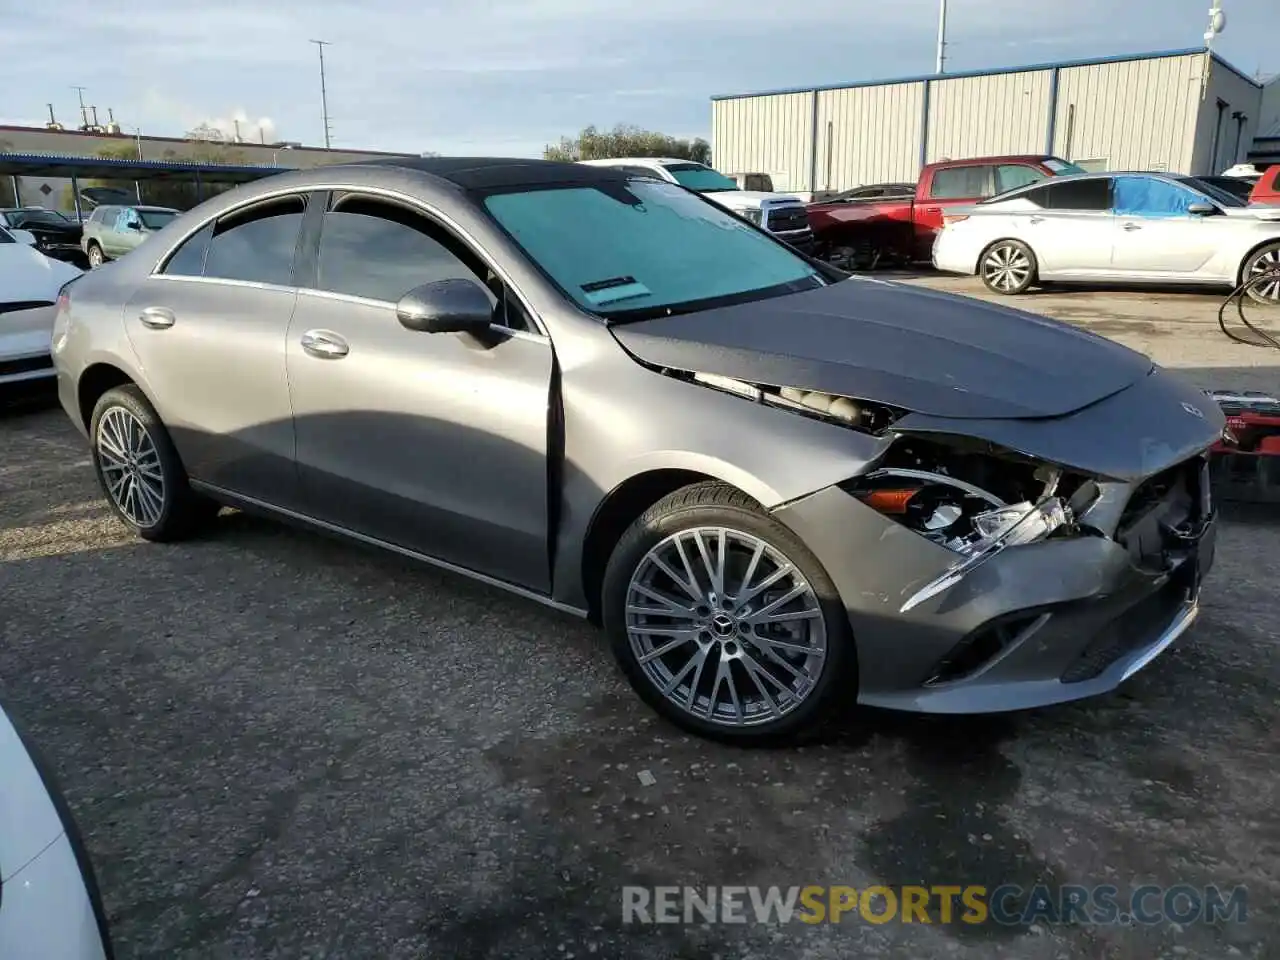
x=973, y=499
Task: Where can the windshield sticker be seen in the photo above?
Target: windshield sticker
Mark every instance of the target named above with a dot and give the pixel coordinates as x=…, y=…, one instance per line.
x=600, y=292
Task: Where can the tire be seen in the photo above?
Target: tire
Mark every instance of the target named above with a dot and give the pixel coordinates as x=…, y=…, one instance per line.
x=1264, y=260
x=139, y=470
x=751, y=708
x=1007, y=267
x=96, y=256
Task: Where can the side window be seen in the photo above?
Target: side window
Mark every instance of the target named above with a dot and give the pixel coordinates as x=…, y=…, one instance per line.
x=1149, y=197
x=257, y=244
x=379, y=250
x=1039, y=197
x=1012, y=175
x=1079, y=195
x=961, y=183
x=188, y=259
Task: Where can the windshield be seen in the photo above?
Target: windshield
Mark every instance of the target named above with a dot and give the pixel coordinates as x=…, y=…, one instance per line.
x=21, y=218
x=155, y=219
x=697, y=176
x=1062, y=167
x=1214, y=192
x=644, y=248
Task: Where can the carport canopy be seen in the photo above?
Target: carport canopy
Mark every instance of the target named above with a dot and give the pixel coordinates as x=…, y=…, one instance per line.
x=101, y=168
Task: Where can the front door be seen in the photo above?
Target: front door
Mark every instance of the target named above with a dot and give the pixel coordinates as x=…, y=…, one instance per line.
x=433, y=442
x=209, y=331
x=1155, y=234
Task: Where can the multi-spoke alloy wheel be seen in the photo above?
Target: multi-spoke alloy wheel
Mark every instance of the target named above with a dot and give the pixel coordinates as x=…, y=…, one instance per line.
x=131, y=468
x=1263, y=274
x=139, y=469
x=1008, y=267
x=725, y=626
x=723, y=620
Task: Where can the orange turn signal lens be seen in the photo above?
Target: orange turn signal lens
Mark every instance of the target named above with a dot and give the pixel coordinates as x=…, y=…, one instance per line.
x=889, y=501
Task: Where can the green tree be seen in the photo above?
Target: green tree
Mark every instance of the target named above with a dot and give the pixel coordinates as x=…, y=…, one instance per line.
x=626, y=141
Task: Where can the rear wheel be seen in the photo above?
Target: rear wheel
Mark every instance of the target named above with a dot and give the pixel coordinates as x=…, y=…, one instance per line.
x=724, y=622
x=1262, y=272
x=140, y=471
x=96, y=258
x=1008, y=267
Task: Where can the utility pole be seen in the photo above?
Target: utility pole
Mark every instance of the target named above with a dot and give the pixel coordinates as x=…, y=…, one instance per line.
x=942, y=36
x=324, y=97
x=84, y=111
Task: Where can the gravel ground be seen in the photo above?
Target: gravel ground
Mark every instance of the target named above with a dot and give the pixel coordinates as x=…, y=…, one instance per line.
x=283, y=746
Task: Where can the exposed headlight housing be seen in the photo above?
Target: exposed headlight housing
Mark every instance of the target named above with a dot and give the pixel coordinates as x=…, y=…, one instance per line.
x=755, y=216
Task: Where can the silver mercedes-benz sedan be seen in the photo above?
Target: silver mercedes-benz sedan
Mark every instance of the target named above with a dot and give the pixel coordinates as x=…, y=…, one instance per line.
x=1119, y=227
x=779, y=489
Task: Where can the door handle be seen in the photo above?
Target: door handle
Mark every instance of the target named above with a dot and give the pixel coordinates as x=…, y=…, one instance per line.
x=1035, y=220
x=1131, y=227
x=157, y=318
x=325, y=345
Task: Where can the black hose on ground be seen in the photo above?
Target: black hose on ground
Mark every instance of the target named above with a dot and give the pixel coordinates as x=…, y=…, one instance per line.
x=1238, y=297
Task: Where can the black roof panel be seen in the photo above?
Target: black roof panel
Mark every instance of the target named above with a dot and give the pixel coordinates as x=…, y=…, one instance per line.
x=485, y=173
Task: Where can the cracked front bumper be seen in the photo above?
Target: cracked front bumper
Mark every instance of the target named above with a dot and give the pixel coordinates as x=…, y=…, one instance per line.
x=1035, y=625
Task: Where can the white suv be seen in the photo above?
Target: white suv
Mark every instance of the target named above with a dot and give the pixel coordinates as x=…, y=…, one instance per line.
x=783, y=216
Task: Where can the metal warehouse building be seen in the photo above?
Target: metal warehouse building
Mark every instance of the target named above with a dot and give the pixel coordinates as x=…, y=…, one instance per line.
x=1186, y=111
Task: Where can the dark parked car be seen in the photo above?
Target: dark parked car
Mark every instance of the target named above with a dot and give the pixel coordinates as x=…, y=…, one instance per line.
x=56, y=236
x=779, y=489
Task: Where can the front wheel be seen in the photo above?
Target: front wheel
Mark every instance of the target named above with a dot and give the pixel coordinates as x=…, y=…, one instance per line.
x=1262, y=273
x=724, y=622
x=139, y=469
x=1008, y=267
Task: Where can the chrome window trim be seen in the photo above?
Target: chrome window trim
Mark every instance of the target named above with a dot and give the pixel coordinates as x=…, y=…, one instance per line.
x=390, y=305
x=380, y=192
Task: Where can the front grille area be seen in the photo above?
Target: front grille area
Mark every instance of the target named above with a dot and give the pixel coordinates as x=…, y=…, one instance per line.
x=1162, y=510
x=1132, y=630
x=786, y=219
x=26, y=365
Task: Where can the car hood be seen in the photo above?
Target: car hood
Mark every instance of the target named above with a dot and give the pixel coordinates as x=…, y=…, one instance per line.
x=29, y=821
x=1255, y=211
x=54, y=229
x=28, y=275
x=751, y=199
x=913, y=348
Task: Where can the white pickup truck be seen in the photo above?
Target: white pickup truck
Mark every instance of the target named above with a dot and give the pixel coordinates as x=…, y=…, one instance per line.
x=783, y=216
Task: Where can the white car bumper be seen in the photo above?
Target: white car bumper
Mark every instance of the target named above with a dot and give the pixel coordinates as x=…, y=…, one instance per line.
x=25, y=344
x=49, y=904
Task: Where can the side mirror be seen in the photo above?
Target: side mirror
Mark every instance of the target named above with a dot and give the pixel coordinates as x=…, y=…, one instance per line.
x=133, y=225
x=24, y=236
x=446, y=306
x=1202, y=209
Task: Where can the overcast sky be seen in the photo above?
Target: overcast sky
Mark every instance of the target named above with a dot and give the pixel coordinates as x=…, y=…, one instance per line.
x=507, y=76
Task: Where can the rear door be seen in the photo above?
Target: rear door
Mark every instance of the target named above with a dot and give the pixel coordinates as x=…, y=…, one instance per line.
x=209, y=330
x=1072, y=233
x=956, y=186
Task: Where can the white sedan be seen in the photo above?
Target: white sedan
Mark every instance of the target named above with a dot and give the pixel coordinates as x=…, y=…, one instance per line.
x=29, y=285
x=49, y=903
x=1126, y=227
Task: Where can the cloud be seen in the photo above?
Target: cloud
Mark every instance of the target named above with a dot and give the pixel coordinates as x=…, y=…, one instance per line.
x=508, y=75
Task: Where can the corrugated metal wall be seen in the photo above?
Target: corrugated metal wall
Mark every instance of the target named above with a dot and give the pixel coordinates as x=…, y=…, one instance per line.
x=989, y=116
x=1127, y=114
x=1132, y=115
x=1231, y=145
x=868, y=135
x=769, y=134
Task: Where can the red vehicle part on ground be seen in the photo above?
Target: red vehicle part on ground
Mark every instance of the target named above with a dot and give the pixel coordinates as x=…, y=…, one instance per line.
x=1245, y=464
x=858, y=233
x=1266, y=190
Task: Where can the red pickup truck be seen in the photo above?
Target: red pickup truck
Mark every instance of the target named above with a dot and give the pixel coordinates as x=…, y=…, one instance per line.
x=1266, y=190
x=862, y=233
